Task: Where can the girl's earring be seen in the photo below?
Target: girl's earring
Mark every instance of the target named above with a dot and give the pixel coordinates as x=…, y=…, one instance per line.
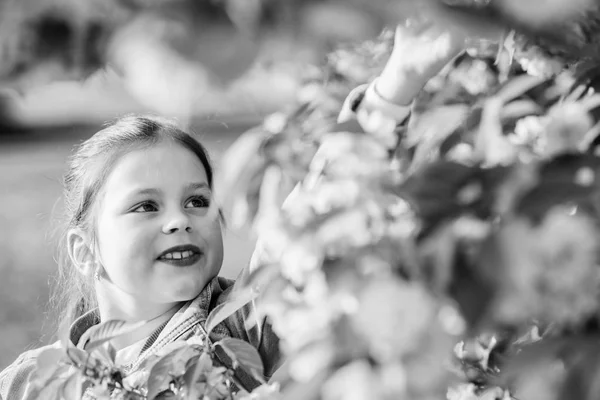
x=97, y=273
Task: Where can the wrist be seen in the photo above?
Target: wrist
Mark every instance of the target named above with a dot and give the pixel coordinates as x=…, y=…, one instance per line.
x=399, y=87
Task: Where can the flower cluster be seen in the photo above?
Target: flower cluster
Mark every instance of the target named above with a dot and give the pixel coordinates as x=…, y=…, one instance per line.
x=474, y=224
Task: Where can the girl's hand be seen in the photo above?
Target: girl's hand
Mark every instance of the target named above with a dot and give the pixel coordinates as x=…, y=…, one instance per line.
x=431, y=36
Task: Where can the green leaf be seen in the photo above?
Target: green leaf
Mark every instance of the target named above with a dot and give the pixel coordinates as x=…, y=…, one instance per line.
x=106, y=352
x=243, y=354
x=72, y=388
x=160, y=374
x=98, y=335
x=431, y=130
x=520, y=108
x=561, y=182
x=191, y=372
x=78, y=357
x=51, y=391
x=195, y=367
x=434, y=191
x=529, y=357
x=262, y=274
x=583, y=378
x=491, y=145
x=242, y=168
x=518, y=86
x=222, y=311
x=166, y=395
x=48, y=362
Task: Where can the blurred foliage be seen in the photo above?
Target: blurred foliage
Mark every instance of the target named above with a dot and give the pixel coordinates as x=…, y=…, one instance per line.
x=457, y=251
x=43, y=41
x=477, y=224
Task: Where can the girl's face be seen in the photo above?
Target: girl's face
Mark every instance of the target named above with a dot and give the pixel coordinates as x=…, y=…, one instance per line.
x=157, y=240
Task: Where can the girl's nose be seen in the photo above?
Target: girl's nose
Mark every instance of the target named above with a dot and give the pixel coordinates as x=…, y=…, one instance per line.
x=177, y=222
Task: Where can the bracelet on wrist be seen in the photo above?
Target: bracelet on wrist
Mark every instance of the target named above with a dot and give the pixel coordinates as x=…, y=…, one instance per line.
x=365, y=98
x=373, y=100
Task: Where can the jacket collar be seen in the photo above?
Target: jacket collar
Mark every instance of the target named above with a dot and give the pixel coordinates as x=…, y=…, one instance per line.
x=189, y=314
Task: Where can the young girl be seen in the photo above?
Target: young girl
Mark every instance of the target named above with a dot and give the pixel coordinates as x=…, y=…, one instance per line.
x=143, y=244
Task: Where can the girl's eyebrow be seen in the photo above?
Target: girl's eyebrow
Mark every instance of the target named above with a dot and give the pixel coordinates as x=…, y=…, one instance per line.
x=153, y=191
x=197, y=185
x=142, y=192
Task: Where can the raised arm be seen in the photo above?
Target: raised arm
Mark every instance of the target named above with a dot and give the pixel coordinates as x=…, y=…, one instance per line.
x=422, y=48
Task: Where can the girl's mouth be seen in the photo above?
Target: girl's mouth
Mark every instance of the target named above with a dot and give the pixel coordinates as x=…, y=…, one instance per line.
x=183, y=261
x=181, y=256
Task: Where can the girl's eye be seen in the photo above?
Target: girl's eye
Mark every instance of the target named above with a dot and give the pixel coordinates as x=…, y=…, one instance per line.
x=198, y=202
x=145, y=207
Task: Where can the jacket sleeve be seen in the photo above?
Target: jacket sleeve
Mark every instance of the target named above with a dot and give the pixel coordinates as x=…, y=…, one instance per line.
x=16, y=380
x=371, y=110
x=247, y=325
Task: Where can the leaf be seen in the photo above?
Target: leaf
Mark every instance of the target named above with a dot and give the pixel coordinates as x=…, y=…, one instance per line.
x=109, y=330
x=431, y=130
x=243, y=354
x=78, y=357
x=434, y=192
x=245, y=205
x=166, y=395
x=518, y=86
x=238, y=165
x=567, y=179
x=51, y=391
x=48, y=362
x=270, y=196
x=195, y=367
x=192, y=371
x=261, y=273
x=472, y=288
x=161, y=371
x=492, y=147
x=583, y=379
x=72, y=388
x=106, y=352
x=520, y=108
x=529, y=357
x=222, y=311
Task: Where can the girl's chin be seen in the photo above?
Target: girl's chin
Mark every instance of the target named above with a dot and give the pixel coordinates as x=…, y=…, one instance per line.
x=187, y=293
x=184, y=288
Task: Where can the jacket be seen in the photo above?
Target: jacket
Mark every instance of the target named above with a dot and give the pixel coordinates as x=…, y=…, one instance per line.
x=16, y=380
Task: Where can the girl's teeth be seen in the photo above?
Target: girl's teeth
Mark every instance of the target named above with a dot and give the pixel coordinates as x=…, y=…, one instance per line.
x=178, y=255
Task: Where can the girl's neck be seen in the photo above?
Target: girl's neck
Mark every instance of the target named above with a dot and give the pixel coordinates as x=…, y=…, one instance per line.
x=124, y=307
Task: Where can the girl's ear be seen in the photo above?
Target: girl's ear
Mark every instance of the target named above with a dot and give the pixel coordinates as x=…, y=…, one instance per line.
x=80, y=251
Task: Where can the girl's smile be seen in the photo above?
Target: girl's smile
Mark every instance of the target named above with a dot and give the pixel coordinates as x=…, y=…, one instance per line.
x=182, y=255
